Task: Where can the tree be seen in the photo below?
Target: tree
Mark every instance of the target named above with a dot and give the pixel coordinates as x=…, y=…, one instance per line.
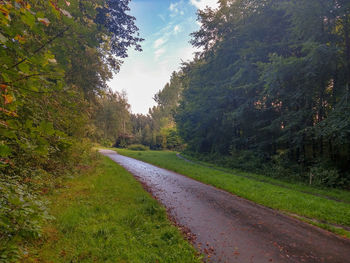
x=55, y=57
x=272, y=79
x=112, y=117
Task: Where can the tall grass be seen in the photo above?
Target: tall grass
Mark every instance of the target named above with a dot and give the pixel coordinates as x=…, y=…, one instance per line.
x=106, y=216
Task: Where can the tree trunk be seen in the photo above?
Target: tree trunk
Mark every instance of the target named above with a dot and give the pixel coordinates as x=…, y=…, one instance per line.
x=347, y=50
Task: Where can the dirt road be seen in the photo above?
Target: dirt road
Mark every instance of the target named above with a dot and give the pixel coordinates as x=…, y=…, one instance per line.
x=231, y=229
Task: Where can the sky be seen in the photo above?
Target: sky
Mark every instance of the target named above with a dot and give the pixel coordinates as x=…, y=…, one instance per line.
x=166, y=26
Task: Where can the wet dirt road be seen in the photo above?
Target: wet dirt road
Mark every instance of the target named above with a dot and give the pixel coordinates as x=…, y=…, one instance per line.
x=232, y=229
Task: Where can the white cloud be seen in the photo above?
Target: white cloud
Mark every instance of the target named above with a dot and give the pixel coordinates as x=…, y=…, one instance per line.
x=173, y=7
x=177, y=29
x=159, y=52
x=166, y=45
x=159, y=42
x=177, y=8
x=202, y=4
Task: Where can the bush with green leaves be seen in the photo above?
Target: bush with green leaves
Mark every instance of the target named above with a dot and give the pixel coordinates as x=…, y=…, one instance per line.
x=138, y=147
x=22, y=213
x=321, y=175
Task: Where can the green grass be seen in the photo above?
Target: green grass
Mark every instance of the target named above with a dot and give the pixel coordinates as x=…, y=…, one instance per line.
x=290, y=200
x=337, y=230
x=106, y=216
x=337, y=194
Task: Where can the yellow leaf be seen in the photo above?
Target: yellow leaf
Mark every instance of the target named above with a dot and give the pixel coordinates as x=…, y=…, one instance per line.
x=20, y=39
x=5, y=12
x=54, y=5
x=7, y=98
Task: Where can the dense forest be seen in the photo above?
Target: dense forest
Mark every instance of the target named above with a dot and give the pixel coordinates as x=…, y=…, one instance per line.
x=269, y=91
x=271, y=88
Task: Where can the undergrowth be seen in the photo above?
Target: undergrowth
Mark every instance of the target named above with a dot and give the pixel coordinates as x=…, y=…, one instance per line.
x=24, y=190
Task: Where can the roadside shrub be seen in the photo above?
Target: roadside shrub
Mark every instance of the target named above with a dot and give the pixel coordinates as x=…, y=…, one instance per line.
x=329, y=177
x=281, y=167
x=23, y=190
x=22, y=213
x=323, y=173
x=106, y=142
x=291, y=173
x=138, y=147
x=171, y=139
x=246, y=160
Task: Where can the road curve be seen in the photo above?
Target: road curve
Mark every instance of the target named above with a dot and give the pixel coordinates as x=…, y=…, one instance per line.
x=231, y=229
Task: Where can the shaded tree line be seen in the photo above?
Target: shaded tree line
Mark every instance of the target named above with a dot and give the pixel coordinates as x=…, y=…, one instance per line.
x=271, y=86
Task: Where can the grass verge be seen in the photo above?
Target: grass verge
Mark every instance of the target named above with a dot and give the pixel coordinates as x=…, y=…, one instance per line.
x=106, y=216
x=291, y=199
x=328, y=193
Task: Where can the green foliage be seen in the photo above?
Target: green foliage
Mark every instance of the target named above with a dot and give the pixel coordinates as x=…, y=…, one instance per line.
x=246, y=160
x=280, y=166
x=105, y=142
x=322, y=174
x=22, y=213
x=171, y=139
x=157, y=129
x=112, y=117
x=55, y=61
x=275, y=79
x=138, y=147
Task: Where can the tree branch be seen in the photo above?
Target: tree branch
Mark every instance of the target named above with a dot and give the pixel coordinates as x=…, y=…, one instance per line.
x=40, y=48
